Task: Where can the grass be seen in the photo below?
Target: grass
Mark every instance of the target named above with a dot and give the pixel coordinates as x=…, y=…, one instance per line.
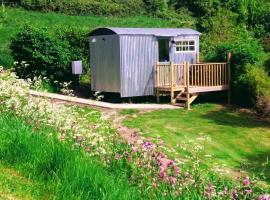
x=238, y=140
x=36, y=165
x=14, y=185
x=17, y=18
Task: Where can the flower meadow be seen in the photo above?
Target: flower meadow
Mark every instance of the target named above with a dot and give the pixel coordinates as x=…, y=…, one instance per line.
x=88, y=141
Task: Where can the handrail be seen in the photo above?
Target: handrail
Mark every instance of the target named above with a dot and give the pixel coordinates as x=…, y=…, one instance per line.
x=208, y=74
x=192, y=75
x=169, y=75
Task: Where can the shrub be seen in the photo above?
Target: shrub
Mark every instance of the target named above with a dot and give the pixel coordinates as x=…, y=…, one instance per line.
x=40, y=54
x=263, y=105
x=266, y=43
x=254, y=82
x=245, y=52
x=267, y=66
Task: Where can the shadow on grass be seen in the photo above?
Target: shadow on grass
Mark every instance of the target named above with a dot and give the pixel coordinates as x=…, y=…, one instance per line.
x=228, y=117
x=258, y=164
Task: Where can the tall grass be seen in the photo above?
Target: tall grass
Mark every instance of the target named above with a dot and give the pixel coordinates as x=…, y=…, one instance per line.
x=67, y=172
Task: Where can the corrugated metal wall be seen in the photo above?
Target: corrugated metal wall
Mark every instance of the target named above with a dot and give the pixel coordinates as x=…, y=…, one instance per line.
x=138, y=58
x=181, y=57
x=126, y=63
x=105, y=63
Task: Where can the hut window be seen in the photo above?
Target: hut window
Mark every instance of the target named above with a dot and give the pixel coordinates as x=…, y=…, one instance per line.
x=185, y=46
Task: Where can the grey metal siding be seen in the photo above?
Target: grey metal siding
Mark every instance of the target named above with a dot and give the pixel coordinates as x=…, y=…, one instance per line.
x=188, y=56
x=105, y=63
x=138, y=58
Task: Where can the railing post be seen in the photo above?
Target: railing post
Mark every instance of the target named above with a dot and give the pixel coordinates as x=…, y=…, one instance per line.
x=229, y=56
x=171, y=82
x=187, y=66
x=157, y=81
x=197, y=57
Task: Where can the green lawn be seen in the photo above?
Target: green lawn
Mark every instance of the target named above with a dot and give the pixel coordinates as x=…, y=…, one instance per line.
x=17, y=18
x=238, y=140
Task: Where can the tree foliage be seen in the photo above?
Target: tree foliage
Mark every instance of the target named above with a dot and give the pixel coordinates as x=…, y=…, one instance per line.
x=38, y=53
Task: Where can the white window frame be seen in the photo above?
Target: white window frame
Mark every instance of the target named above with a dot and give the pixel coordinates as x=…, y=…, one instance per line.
x=185, y=40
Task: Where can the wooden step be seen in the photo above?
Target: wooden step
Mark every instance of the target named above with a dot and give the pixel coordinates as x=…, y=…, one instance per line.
x=180, y=104
x=181, y=98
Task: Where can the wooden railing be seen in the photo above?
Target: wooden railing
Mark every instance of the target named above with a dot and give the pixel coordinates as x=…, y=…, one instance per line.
x=169, y=74
x=192, y=75
x=208, y=74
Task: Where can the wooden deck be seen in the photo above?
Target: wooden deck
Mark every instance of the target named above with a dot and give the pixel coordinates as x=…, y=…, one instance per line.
x=186, y=81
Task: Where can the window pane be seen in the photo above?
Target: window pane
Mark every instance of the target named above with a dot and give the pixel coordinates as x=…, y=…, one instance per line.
x=192, y=48
x=185, y=42
x=191, y=42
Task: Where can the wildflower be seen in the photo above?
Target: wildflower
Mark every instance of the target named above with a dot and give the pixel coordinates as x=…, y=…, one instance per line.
x=210, y=192
x=248, y=191
x=129, y=158
x=246, y=182
x=264, y=197
x=134, y=149
x=148, y=145
x=117, y=156
x=234, y=194
x=225, y=191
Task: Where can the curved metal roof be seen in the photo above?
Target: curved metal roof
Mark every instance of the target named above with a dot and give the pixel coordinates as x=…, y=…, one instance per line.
x=162, y=32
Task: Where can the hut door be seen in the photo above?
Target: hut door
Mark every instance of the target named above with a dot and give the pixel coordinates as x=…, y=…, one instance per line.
x=163, y=50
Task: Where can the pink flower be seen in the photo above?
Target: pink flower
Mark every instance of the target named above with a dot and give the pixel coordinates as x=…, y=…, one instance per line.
x=173, y=180
x=135, y=149
x=148, y=145
x=264, y=197
x=177, y=171
x=246, y=182
x=162, y=174
x=117, y=156
x=248, y=191
x=225, y=191
x=129, y=158
x=210, y=189
x=234, y=194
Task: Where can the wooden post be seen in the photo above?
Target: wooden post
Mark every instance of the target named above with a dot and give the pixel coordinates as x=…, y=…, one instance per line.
x=171, y=82
x=187, y=90
x=197, y=57
x=229, y=56
x=157, y=81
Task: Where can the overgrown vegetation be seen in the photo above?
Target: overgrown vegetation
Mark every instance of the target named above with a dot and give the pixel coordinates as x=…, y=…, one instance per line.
x=76, y=154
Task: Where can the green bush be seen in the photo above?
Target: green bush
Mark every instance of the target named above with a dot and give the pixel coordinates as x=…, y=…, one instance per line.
x=244, y=53
x=257, y=82
x=38, y=53
x=267, y=66
x=263, y=105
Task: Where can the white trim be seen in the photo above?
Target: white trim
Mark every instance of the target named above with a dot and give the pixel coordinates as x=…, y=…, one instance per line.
x=183, y=40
